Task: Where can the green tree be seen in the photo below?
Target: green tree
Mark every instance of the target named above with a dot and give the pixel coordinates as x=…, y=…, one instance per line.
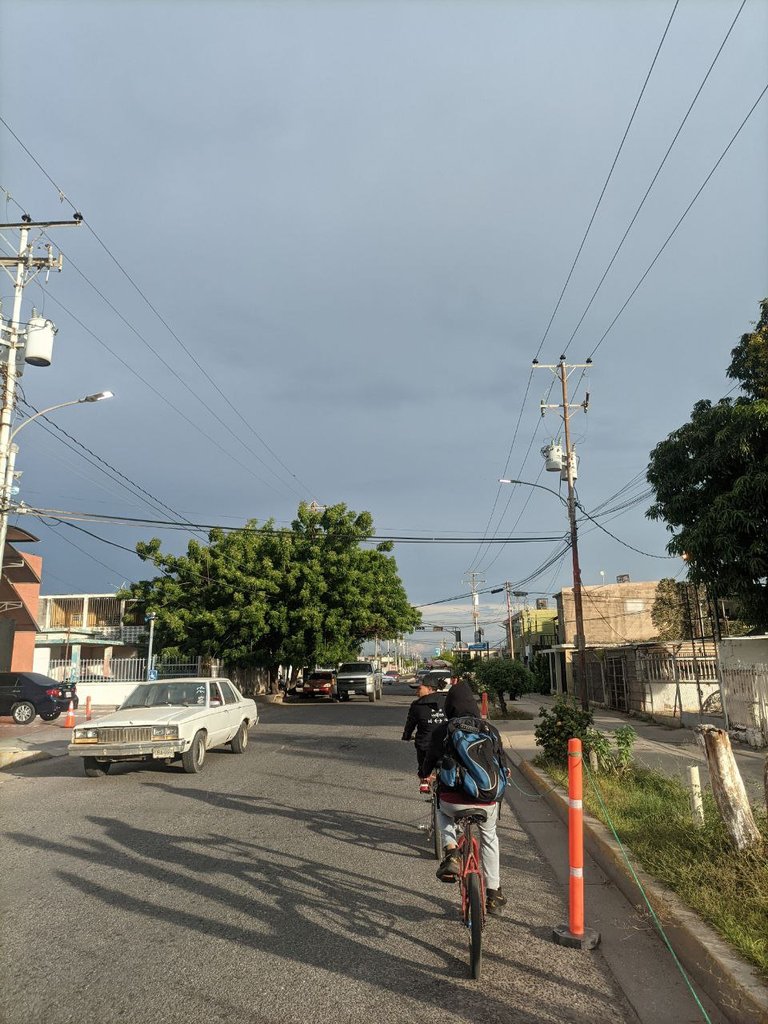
x=681, y=611
x=269, y=597
x=710, y=479
x=503, y=675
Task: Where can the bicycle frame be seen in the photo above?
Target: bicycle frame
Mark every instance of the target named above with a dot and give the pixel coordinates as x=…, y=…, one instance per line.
x=469, y=849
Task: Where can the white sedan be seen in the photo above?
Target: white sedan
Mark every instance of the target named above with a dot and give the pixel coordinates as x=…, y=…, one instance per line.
x=167, y=720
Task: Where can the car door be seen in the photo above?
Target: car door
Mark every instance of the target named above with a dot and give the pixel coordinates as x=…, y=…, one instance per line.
x=9, y=691
x=217, y=719
x=232, y=704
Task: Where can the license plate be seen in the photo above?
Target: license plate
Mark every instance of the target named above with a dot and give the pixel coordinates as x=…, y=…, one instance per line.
x=67, y=693
x=159, y=752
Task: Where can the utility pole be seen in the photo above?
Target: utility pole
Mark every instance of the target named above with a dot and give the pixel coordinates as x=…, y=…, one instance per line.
x=508, y=591
x=473, y=581
x=562, y=371
x=26, y=266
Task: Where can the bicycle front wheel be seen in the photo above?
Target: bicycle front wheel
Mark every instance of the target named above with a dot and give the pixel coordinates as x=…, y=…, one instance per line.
x=475, y=923
x=437, y=835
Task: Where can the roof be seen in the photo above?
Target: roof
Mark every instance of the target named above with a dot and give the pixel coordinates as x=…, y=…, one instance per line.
x=18, y=536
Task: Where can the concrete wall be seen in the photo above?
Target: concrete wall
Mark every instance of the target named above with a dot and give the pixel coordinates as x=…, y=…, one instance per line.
x=104, y=694
x=613, y=614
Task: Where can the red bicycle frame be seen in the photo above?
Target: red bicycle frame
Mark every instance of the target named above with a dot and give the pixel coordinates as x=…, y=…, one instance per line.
x=469, y=849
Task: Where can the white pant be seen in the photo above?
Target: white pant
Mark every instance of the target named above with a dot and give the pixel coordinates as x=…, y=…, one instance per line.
x=489, y=841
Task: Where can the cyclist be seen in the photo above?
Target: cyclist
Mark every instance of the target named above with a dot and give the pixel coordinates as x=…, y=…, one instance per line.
x=454, y=802
x=424, y=716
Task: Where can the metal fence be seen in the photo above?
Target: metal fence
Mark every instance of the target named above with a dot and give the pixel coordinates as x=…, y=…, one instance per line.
x=745, y=690
x=119, y=670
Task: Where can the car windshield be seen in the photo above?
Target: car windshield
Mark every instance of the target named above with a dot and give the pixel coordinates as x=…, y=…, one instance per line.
x=356, y=666
x=152, y=695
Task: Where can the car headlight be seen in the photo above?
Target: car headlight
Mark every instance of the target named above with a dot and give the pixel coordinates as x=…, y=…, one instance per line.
x=86, y=736
x=165, y=732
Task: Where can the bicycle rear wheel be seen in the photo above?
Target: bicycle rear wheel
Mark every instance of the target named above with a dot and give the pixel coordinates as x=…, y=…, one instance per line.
x=437, y=835
x=475, y=923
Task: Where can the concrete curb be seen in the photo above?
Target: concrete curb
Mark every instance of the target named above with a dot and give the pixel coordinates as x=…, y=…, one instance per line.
x=730, y=982
x=9, y=757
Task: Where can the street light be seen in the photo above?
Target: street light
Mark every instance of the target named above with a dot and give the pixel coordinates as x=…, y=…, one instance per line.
x=581, y=645
x=8, y=462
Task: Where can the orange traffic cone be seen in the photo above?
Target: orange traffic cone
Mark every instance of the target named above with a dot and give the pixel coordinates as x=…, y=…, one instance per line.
x=88, y=709
x=69, y=721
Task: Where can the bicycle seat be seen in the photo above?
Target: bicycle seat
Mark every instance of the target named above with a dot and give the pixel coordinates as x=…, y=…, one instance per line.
x=479, y=816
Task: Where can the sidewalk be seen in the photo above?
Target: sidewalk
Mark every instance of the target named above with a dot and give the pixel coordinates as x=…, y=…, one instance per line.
x=39, y=739
x=666, y=750
x=733, y=985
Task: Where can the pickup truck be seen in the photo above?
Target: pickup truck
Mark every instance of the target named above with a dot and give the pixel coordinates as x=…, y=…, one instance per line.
x=359, y=678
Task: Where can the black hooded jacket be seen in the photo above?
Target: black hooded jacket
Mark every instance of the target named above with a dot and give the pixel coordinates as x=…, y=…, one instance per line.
x=424, y=716
x=460, y=701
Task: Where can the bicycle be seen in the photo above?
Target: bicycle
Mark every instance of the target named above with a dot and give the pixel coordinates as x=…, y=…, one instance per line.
x=472, y=886
x=434, y=835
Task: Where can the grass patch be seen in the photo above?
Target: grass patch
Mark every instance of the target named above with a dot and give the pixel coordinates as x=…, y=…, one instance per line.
x=511, y=714
x=651, y=814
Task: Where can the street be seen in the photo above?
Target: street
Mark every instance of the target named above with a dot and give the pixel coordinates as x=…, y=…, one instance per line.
x=286, y=885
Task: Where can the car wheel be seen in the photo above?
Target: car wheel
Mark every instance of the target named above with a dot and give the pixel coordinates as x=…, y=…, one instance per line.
x=240, y=740
x=95, y=769
x=372, y=697
x=193, y=759
x=50, y=716
x=23, y=713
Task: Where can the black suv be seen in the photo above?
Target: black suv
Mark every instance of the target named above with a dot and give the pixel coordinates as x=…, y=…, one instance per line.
x=23, y=695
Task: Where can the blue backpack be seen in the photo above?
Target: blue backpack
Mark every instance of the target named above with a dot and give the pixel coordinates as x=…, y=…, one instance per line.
x=472, y=760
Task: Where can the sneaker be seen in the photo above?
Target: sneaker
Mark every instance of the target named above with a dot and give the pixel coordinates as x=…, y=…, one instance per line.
x=494, y=901
x=450, y=866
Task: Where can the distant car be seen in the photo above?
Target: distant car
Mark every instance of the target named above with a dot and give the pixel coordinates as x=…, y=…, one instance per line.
x=441, y=677
x=321, y=683
x=24, y=695
x=167, y=720
x=388, y=679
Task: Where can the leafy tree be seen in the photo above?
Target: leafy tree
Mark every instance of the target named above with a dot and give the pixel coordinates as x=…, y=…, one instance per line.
x=681, y=611
x=503, y=675
x=710, y=479
x=268, y=597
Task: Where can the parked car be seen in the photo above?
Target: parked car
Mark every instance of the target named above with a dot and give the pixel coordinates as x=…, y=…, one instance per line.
x=167, y=720
x=321, y=683
x=24, y=695
x=359, y=677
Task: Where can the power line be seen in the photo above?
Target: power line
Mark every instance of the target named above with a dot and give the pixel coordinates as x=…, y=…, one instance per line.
x=656, y=175
x=64, y=198
x=680, y=221
x=607, y=180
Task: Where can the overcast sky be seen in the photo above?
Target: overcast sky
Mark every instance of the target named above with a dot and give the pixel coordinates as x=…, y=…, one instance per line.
x=357, y=217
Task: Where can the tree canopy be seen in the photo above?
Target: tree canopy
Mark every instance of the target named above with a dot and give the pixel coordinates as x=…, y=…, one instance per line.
x=710, y=478
x=308, y=595
x=503, y=675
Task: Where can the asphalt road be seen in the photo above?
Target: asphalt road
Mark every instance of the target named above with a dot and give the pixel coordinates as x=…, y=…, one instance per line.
x=289, y=884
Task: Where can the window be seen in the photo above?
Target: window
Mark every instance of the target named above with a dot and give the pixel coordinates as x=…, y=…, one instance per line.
x=215, y=693
x=229, y=693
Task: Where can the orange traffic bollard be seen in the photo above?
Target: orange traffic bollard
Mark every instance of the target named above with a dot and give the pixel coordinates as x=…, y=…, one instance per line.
x=69, y=721
x=575, y=933
x=484, y=704
x=88, y=709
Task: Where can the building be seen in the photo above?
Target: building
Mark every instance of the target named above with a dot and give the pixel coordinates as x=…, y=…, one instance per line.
x=19, y=594
x=533, y=630
x=614, y=614
x=82, y=633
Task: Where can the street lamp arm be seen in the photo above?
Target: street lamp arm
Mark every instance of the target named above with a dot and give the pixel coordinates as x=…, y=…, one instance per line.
x=98, y=397
x=539, y=487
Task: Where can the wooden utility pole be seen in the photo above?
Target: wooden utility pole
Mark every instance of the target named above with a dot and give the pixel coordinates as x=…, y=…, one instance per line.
x=728, y=789
x=507, y=590
x=562, y=370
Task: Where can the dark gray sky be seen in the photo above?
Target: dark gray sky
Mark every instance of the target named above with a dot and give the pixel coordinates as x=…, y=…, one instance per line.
x=358, y=218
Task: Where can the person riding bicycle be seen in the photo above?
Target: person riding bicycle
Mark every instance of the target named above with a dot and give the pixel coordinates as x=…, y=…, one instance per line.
x=424, y=715
x=455, y=801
